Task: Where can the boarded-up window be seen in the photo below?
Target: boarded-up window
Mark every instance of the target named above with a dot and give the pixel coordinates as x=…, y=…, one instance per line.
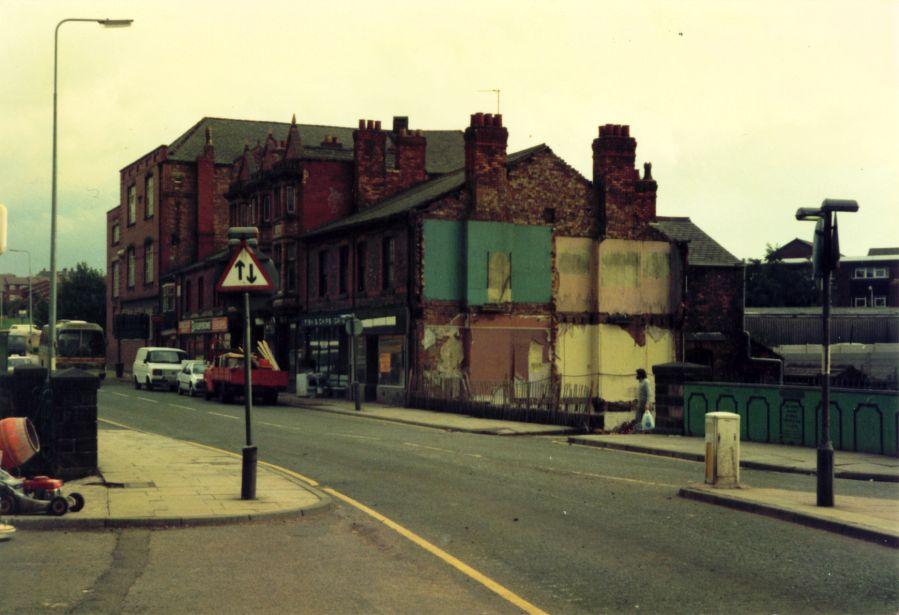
x=499, y=277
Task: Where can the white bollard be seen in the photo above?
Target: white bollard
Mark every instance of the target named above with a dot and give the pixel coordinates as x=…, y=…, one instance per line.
x=722, y=449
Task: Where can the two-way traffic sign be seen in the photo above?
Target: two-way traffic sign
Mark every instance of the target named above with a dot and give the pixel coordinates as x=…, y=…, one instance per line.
x=244, y=273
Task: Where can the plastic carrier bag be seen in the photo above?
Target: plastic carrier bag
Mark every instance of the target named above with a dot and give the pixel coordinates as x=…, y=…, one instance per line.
x=648, y=421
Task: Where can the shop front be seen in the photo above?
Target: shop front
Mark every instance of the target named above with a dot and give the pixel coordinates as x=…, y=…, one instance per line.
x=202, y=338
x=325, y=351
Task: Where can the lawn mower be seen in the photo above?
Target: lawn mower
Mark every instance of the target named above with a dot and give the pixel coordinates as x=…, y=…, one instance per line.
x=41, y=494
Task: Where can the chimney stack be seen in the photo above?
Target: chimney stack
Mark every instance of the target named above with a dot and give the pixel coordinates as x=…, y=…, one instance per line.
x=369, y=149
x=485, y=166
x=626, y=202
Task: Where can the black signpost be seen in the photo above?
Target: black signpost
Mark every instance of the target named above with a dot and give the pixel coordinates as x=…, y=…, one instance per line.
x=825, y=259
x=245, y=274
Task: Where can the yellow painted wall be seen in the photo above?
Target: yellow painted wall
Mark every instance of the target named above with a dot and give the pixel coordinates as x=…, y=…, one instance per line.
x=606, y=357
x=635, y=277
x=620, y=356
x=576, y=265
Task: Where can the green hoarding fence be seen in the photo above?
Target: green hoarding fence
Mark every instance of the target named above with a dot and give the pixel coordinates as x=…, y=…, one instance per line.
x=860, y=420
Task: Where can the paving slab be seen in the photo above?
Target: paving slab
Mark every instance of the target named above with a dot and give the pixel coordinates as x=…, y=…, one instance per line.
x=153, y=481
x=872, y=519
x=753, y=455
x=427, y=418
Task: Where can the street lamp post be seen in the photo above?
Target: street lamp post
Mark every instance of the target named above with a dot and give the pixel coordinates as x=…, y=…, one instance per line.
x=106, y=23
x=825, y=258
x=30, y=315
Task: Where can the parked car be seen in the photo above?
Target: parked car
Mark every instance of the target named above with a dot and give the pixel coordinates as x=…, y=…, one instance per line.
x=190, y=378
x=17, y=360
x=157, y=367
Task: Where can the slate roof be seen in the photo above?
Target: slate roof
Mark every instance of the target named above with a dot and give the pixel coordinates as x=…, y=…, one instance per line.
x=445, y=151
x=702, y=249
x=421, y=194
x=883, y=251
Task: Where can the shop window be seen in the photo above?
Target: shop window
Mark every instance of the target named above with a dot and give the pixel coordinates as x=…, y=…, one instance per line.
x=499, y=277
x=149, y=259
x=391, y=360
x=131, y=266
x=132, y=204
x=344, y=265
x=322, y=273
x=387, y=263
x=361, y=251
x=149, y=197
x=290, y=269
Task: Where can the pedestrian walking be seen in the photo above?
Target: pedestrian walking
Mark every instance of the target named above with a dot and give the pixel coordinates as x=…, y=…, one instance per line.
x=642, y=398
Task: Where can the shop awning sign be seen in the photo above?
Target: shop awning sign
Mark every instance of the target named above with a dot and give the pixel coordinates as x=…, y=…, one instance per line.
x=244, y=273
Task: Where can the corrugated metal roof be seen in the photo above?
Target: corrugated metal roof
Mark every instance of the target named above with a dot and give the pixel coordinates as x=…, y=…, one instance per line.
x=702, y=249
x=781, y=326
x=418, y=195
x=445, y=150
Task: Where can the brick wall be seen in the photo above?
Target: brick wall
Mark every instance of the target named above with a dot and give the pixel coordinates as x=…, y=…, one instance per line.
x=714, y=299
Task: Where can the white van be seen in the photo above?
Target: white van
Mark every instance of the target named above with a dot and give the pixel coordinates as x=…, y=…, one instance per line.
x=157, y=367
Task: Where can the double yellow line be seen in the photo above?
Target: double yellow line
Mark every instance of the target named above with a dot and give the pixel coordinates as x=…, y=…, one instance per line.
x=500, y=590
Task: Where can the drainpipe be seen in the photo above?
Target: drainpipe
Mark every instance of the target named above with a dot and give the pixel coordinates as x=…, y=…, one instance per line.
x=411, y=262
x=765, y=360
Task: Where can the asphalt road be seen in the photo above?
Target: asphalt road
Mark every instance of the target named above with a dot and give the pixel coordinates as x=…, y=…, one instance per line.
x=570, y=529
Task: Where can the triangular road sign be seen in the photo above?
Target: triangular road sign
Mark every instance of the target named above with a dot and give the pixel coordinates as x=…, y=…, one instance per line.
x=244, y=273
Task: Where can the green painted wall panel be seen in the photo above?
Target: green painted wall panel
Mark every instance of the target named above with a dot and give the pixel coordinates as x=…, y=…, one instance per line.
x=444, y=269
x=530, y=248
x=863, y=421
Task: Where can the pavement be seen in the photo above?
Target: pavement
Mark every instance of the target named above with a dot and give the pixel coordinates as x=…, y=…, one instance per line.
x=148, y=480
x=151, y=480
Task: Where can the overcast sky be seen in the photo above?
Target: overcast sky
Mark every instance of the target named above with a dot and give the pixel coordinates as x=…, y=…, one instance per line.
x=747, y=110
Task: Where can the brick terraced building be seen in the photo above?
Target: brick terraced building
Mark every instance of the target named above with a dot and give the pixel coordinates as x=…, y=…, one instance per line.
x=463, y=262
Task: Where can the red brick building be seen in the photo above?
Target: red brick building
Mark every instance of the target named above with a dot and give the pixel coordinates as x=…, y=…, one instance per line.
x=461, y=261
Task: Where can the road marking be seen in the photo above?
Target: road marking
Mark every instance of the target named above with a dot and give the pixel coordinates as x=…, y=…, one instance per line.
x=119, y=394
x=152, y=401
x=227, y=416
x=465, y=569
x=182, y=407
x=618, y=478
x=442, y=450
x=621, y=450
x=462, y=567
x=349, y=435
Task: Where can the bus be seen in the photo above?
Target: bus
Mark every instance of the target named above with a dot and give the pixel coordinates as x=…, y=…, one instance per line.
x=79, y=344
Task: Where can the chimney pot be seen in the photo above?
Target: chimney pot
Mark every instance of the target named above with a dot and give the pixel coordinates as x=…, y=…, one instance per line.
x=378, y=125
x=361, y=124
x=400, y=123
x=626, y=131
x=498, y=119
x=477, y=119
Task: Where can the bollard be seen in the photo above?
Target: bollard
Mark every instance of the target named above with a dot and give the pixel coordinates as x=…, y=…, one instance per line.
x=248, y=478
x=360, y=392
x=722, y=449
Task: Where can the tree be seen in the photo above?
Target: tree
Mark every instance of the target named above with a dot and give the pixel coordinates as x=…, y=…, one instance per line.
x=772, y=283
x=81, y=295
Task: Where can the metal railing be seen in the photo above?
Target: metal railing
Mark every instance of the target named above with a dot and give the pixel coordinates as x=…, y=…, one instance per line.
x=534, y=402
